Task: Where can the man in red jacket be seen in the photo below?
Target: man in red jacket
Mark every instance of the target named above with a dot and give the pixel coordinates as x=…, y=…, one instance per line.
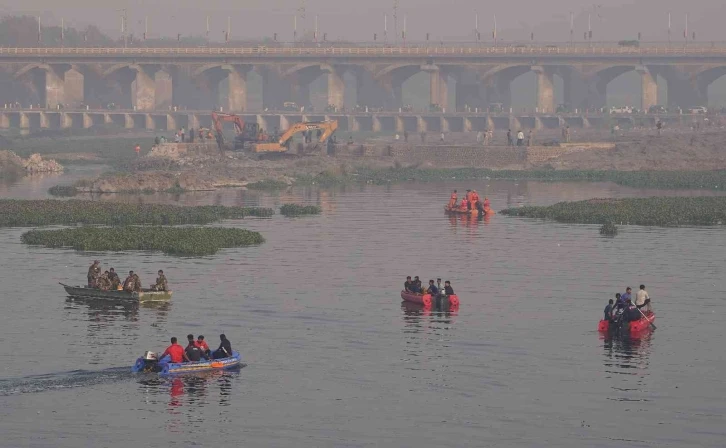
x=175, y=351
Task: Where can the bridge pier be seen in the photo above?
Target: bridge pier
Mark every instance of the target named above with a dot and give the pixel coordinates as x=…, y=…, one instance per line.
x=649, y=94
x=4, y=121
x=144, y=88
x=336, y=88
x=236, y=100
x=545, y=90
x=163, y=90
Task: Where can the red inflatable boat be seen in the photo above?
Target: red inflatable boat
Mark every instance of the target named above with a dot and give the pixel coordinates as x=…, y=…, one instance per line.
x=634, y=327
x=426, y=299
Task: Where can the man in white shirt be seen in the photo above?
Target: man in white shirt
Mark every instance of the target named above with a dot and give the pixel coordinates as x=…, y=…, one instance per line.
x=641, y=298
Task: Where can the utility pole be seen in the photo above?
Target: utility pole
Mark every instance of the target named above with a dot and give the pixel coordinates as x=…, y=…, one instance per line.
x=63, y=33
x=301, y=11
x=669, y=29
x=294, y=29
x=207, y=30
x=395, y=19
x=404, y=30
x=477, y=36
x=685, y=33
x=124, y=23
x=572, y=28
x=494, y=33
x=385, y=28
x=315, y=32
x=229, y=28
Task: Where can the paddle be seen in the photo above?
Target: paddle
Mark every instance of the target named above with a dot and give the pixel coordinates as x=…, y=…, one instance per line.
x=646, y=318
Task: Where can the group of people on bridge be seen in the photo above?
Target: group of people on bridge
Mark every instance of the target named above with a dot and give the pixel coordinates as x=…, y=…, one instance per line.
x=110, y=281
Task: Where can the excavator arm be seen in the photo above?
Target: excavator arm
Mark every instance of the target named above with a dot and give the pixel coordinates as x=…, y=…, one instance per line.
x=218, y=118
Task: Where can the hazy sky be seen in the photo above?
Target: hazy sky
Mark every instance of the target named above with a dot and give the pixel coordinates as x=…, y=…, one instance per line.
x=358, y=20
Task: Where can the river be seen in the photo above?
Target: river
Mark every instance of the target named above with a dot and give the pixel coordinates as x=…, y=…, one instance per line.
x=334, y=359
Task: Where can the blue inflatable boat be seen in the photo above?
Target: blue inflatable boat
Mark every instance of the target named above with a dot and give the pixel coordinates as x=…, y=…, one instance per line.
x=148, y=364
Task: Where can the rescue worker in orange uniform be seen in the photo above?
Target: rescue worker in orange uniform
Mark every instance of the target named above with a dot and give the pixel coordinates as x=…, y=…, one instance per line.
x=452, y=200
x=175, y=352
x=487, y=204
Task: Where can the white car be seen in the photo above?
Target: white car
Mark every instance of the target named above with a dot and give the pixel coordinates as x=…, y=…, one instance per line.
x=621, y=110
x=698, y=110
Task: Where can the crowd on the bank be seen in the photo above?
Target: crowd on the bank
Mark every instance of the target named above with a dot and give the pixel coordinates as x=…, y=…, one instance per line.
x=110, y=281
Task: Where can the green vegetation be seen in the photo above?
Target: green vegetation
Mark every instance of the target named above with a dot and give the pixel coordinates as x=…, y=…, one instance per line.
x=299, y=210
x=21, y=213
x=181, y=241
x=63, y=191
x=268, y=184
x=707, y=180
x=655, y=211
x=609, y=229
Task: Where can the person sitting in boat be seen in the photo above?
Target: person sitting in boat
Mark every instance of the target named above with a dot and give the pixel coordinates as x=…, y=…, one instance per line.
x=408, y=285
x=175, y=352
x=464, y=204
x=448, y=290
x=225, y=348
x=115, y=280
x=94, y=272
x=202, y=344
x=137, y=283
x=161, y=284
x=487, y=204
x=417, y=283
x=479, y=207
x=474, y=198
x=631, y=313
x=193, y=352
x=452, y=200
x=432, y=289
x=104, y=282
x=130, y=283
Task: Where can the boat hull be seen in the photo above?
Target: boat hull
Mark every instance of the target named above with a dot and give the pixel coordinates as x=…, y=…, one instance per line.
x=472, y=212
x=634, y=327
x=426, y=299
x=92, y=293
x=169, y=368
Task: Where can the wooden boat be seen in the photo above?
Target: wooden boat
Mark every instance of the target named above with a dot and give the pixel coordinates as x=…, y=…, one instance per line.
x=164, y=367
x=472, y=212
x=426, y=299
x=634, y=327
x=146, y=295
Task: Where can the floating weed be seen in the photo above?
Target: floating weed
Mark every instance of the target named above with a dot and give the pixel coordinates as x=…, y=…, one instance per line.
x=299, y=210
x=180, y=241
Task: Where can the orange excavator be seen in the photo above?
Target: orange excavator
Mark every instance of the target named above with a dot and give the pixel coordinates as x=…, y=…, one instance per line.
x=244, y=132
x=283, y=144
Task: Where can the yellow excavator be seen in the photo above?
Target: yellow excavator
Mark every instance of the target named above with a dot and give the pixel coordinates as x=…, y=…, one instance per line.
x=283, y=144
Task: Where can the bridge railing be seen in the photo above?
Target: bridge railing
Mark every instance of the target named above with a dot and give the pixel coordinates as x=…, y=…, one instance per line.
x=369, y=51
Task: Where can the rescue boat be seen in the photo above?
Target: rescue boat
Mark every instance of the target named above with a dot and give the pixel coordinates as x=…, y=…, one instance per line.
x=150, y=364
x=634, y=327
x=426, y=299
x=472, y=212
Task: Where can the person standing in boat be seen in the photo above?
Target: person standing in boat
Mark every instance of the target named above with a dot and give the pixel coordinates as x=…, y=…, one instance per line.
x=115, y=280
x=161, y=283
x=137, y=283
x=439, y=286
x=642, y=299
x=448, y=290
x=432, y=289
x=94, y=272
x=609, y=311
x=225, y=348
x=417, y=283
x=452, y=200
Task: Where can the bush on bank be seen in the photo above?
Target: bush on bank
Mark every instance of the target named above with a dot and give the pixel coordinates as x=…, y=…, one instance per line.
x=655, y=211
x=180, y=241
x=299, y=210
x=706, y=180
x=25, y=213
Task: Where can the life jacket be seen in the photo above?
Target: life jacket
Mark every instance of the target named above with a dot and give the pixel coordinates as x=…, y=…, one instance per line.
x=464, y=203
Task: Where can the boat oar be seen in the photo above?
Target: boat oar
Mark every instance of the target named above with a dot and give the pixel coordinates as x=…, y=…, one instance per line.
x=646, y=318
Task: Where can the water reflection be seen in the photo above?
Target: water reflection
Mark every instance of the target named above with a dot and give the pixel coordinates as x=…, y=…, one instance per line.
x=626, y=354
x=103, y=313
x=186, y=393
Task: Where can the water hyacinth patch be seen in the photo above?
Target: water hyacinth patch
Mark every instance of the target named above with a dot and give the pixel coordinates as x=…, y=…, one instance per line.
x=299, y=210
x=655, y=211
x=180, y=241
x=23, y=213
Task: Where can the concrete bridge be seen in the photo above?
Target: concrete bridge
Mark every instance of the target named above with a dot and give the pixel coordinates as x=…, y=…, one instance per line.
x=148, y=79
x=169, y=121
